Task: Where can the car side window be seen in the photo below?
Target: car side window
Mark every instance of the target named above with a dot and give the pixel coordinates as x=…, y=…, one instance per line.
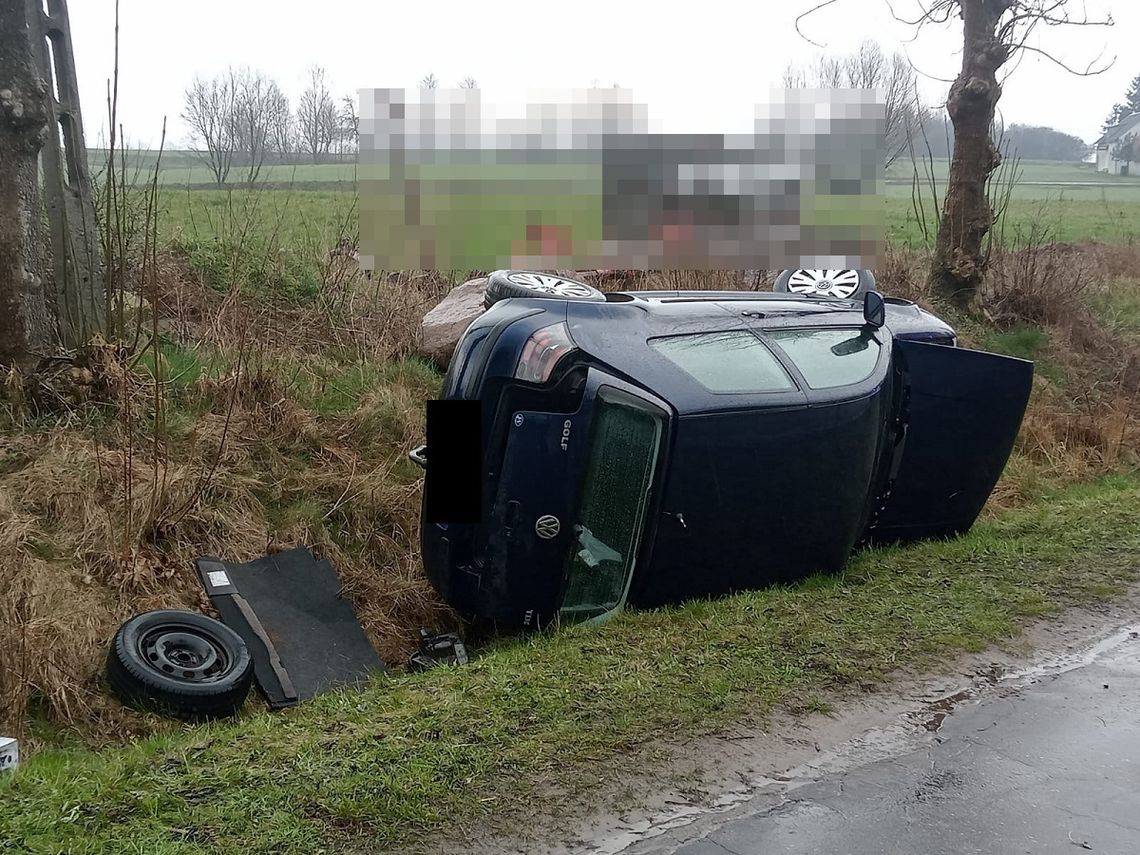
x=829, y=357
x=733, y=361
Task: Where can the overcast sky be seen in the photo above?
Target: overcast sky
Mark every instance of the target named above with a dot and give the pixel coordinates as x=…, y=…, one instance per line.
x=698, y=65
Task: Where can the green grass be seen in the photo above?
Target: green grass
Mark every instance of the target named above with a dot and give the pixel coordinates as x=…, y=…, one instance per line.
x=1119, y=307
x=356, y=771
x=308, y=223
x=1026, y=342
x=1061, y=218
x=1023, y=342
x=1045, y=171
x=314, y=205
x=187, y=167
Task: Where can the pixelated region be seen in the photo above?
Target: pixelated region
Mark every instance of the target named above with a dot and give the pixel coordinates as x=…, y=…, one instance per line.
x=581, y=181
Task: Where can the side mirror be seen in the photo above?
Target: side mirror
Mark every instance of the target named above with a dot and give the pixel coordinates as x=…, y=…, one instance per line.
x=874, y=309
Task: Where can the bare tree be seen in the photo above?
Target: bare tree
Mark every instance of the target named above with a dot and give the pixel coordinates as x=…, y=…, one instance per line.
x=259, y=104
x=316, y=116
x=469, y=83
x=829, y=72
x=25, y=316
x=429, y=81
x=282, y=130
x=238, y=117
x=209, y=108
x=993, y=31
x=870, y=68
x=794, y=76
x=867, y=68
x=348, y=124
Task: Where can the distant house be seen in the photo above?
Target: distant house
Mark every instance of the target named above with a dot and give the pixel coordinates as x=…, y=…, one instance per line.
x=1105, y=162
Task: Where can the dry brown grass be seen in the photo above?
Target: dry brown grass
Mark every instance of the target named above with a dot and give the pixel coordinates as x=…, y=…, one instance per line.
x=1083, y=419
x=282, y=425
x=101, y=515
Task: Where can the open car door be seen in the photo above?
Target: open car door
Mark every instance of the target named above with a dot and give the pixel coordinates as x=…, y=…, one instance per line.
x=961, y=417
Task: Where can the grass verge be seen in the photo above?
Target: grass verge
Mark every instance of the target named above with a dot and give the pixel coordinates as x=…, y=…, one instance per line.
x=356, y=771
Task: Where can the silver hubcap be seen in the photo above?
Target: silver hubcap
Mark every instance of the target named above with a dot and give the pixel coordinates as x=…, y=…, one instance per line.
x=555, y=285
x=824, y=283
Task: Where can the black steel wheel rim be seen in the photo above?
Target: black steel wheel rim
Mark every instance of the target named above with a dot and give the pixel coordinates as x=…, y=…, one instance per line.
x=185, y=653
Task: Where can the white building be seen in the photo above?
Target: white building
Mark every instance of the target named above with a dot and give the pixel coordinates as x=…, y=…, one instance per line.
x=1105, y=162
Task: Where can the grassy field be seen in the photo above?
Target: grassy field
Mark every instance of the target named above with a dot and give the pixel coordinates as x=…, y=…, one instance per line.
x=311, y=206
x=360, y=770
x=1030, y=171
x=318, y=218
x=188, y=167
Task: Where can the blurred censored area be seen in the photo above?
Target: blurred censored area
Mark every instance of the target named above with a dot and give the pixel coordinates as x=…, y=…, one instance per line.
x=579, y=182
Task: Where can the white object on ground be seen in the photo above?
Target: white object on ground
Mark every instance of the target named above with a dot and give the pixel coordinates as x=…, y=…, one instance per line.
x=9, y=753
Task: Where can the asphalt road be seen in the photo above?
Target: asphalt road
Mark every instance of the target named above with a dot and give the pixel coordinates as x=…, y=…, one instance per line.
x=1044, y=763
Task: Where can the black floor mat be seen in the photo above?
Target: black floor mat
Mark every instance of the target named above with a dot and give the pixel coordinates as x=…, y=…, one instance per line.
x=304, y=638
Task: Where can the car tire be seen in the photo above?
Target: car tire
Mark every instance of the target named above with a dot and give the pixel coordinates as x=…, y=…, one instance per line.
x=504, y=284
x=181, y=664
x=840, y=284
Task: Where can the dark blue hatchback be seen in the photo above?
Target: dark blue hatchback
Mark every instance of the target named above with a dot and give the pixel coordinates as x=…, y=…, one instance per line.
x=645, y=448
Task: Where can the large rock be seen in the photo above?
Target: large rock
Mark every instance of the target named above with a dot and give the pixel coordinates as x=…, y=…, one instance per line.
x=443, y=325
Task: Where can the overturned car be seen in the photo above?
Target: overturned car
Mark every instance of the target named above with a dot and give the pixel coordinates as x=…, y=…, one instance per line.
x=644, y=448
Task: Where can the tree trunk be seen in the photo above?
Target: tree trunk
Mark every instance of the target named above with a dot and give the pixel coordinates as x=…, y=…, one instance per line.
x=26, y=318
x=959, y=259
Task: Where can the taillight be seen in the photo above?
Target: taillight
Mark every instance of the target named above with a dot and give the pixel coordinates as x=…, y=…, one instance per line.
x=542, y=351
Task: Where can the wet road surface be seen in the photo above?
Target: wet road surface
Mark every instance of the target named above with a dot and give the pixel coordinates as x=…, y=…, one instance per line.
x=1045, y=761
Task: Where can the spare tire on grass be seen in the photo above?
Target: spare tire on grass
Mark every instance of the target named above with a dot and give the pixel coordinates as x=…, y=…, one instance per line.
x=180, y=664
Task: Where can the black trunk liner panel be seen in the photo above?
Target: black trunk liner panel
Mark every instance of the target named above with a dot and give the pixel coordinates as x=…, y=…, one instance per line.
x=304, y=638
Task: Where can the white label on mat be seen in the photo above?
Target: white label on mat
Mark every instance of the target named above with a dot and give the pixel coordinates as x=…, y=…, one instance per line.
x=218, y=578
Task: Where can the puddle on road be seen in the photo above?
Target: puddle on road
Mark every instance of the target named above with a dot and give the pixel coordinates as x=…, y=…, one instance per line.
x=941, y=708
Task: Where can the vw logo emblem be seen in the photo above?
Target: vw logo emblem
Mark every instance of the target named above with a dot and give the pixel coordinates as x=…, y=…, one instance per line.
x=518, y=419
x=547, y=527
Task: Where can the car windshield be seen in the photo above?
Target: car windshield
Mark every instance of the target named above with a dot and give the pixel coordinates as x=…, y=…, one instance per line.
x=734, y=361
x=829, y=357
x=611, y=510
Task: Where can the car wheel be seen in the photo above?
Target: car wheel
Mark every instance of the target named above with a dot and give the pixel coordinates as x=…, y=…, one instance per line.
x=179, y=663
x=503, y=284
x=840, y=284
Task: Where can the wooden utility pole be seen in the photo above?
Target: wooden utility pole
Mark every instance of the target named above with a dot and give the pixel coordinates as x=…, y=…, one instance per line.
x=80, y=302
x=50, y=290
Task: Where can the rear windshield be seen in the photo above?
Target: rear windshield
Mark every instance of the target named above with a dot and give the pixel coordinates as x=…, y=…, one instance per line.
x=726, y=362
x=829, y=357
x=611, y=511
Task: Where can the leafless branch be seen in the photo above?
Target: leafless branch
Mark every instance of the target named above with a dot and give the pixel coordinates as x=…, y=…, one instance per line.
x=1089, y=71
x=810, y=11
